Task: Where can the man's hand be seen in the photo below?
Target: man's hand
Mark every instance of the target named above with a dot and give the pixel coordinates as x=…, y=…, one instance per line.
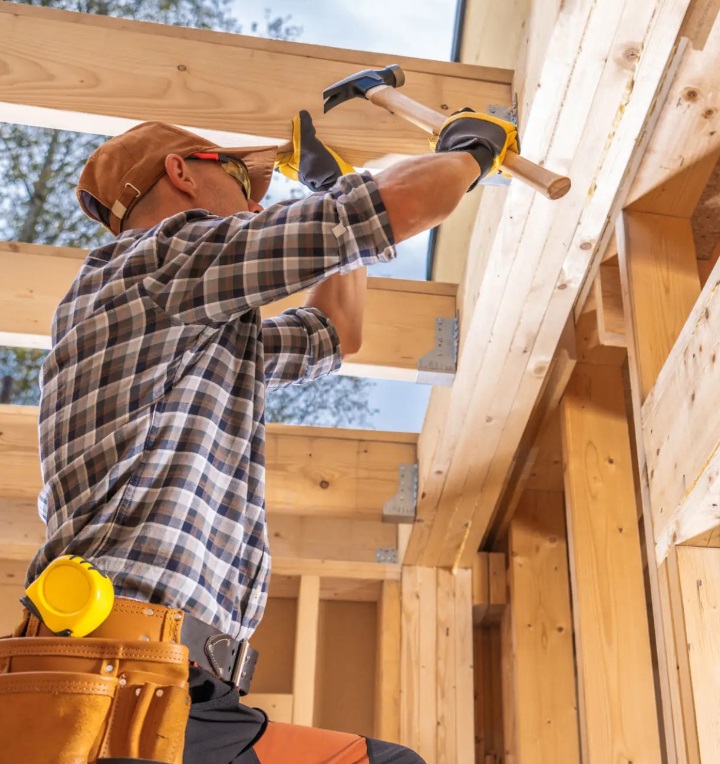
x=485, y=137
x=311, y=162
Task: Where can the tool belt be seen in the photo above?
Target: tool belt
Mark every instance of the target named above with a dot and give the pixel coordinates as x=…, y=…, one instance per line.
x=120, y=693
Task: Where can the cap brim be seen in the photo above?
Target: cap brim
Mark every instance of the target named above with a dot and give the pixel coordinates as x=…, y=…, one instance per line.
x=260, y=162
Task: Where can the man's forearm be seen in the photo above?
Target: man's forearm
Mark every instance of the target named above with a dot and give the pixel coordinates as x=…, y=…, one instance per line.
x=342, y=299
x=421, y=192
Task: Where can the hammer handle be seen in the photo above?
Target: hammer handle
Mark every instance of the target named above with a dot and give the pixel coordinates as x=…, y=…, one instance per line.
x=546, y=182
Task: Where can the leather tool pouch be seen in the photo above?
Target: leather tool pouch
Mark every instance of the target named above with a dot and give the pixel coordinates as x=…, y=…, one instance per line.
x=71, y=701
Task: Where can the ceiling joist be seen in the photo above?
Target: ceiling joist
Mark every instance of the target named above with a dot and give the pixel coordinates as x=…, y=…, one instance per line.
x=97, y=74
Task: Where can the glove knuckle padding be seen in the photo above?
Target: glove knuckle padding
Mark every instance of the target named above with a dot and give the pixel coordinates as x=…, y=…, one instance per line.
x=487, y=138
x=312, y=163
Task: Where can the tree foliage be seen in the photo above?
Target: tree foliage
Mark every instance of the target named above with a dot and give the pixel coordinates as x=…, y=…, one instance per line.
x=39, y=169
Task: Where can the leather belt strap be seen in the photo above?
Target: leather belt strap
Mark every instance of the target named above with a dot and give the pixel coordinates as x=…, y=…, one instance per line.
x=227, y=658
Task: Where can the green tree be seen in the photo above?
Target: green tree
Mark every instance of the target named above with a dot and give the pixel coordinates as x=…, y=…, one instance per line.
x=39, y=169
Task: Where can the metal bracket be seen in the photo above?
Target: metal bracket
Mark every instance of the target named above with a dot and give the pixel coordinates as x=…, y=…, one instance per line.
x=387, y=554
x=511, y=115
x=439, y=365
x=402, y=507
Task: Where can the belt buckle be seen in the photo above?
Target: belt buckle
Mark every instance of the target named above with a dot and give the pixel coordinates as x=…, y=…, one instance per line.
x=244, y=668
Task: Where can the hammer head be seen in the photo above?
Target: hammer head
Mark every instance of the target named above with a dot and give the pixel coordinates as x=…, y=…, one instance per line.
x=357, y=85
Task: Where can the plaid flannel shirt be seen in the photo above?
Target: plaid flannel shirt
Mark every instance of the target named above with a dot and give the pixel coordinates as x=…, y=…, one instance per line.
x=152, y=409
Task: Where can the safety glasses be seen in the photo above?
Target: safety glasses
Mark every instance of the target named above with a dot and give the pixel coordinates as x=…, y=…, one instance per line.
x=234, y=167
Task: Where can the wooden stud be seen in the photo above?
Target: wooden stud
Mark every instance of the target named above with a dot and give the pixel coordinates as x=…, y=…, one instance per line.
x=698, y=572
x=306, y=642
x=615, y=678
x=609, y=308
x=387, y=684
x=537, y=636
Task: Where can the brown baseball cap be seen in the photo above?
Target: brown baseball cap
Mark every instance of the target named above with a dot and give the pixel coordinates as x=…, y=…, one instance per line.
x=127, y=166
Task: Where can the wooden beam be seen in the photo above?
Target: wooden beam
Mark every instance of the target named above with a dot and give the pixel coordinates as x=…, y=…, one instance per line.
x=387, y=682
x=589, y=121
x=418, y=666
x=399, y=326
x=539, y=643
x=615, y=679
x=101, y=75
x=306, y=644
x=544, y=416
x=489, y=587
x=648, y=347
x=436, y=675
x=680, y=426
x=609, y=307
x=685, y=144
x=698, y=570
x=311, y=471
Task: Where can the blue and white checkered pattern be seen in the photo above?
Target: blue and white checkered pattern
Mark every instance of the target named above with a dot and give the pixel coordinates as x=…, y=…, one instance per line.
x=152, y=410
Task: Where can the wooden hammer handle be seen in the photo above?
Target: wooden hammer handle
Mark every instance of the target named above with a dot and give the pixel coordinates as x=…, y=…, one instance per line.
x=546, y=182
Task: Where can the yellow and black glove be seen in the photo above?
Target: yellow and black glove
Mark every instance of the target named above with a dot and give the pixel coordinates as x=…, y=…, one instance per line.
x=311, y=162
x=486, y=137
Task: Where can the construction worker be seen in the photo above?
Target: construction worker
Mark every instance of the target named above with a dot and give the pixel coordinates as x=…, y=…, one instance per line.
x=152, y=431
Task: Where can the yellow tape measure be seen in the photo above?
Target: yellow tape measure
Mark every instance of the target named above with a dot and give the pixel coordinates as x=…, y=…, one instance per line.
x=71, y=596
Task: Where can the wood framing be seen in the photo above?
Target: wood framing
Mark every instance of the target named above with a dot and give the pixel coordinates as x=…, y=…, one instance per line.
x=312, y=471
x=100, y=74
x=387, y=681
x=682, y=409
x=537, y=643
x=306, y=645
x=399, y=327
x=436, y=665
x=589, y=122
x=617, y=704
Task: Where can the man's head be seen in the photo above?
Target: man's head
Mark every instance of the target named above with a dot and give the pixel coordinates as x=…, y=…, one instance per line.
x=155, y=170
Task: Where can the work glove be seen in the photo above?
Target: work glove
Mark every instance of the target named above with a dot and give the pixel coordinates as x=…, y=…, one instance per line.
x=311, y=162
x=486, y=137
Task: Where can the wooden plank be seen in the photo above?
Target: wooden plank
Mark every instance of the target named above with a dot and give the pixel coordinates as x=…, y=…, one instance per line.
x=387, y=683
x=447, y=708
x=306, y=644
x=698, y=570
x=480, y=587
x=464, y=689
x=100, y=74
x=543, y=697
x=608, y=299
x=310, y=470
x=615, y=678
x=685, y=144
x=399, y=325
x=410, y=658
x=590, y=124
x=682, y=409
x=662, y=276
x=535, y=444
x=278, y=707
x=641, y=313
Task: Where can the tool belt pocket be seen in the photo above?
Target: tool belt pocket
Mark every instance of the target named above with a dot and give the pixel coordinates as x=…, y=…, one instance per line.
x=71, y=701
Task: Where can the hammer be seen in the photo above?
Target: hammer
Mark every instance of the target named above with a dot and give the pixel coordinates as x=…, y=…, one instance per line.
x=378, y=87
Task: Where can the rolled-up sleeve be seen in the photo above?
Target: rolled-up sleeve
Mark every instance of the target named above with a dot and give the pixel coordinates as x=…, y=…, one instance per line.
x=300, y=345
x=212, y=269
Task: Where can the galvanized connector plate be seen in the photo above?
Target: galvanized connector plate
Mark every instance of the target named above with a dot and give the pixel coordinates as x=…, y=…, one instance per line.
x=387, y=554
x=403, y=506
x=439, y=365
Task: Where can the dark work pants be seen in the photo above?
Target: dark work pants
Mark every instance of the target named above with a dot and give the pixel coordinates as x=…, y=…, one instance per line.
x=223, y=731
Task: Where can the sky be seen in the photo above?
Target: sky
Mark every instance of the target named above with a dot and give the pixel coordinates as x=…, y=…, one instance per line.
x=421, y=28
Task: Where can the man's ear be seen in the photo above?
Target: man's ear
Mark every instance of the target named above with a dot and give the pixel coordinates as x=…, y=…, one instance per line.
x=179, y=175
